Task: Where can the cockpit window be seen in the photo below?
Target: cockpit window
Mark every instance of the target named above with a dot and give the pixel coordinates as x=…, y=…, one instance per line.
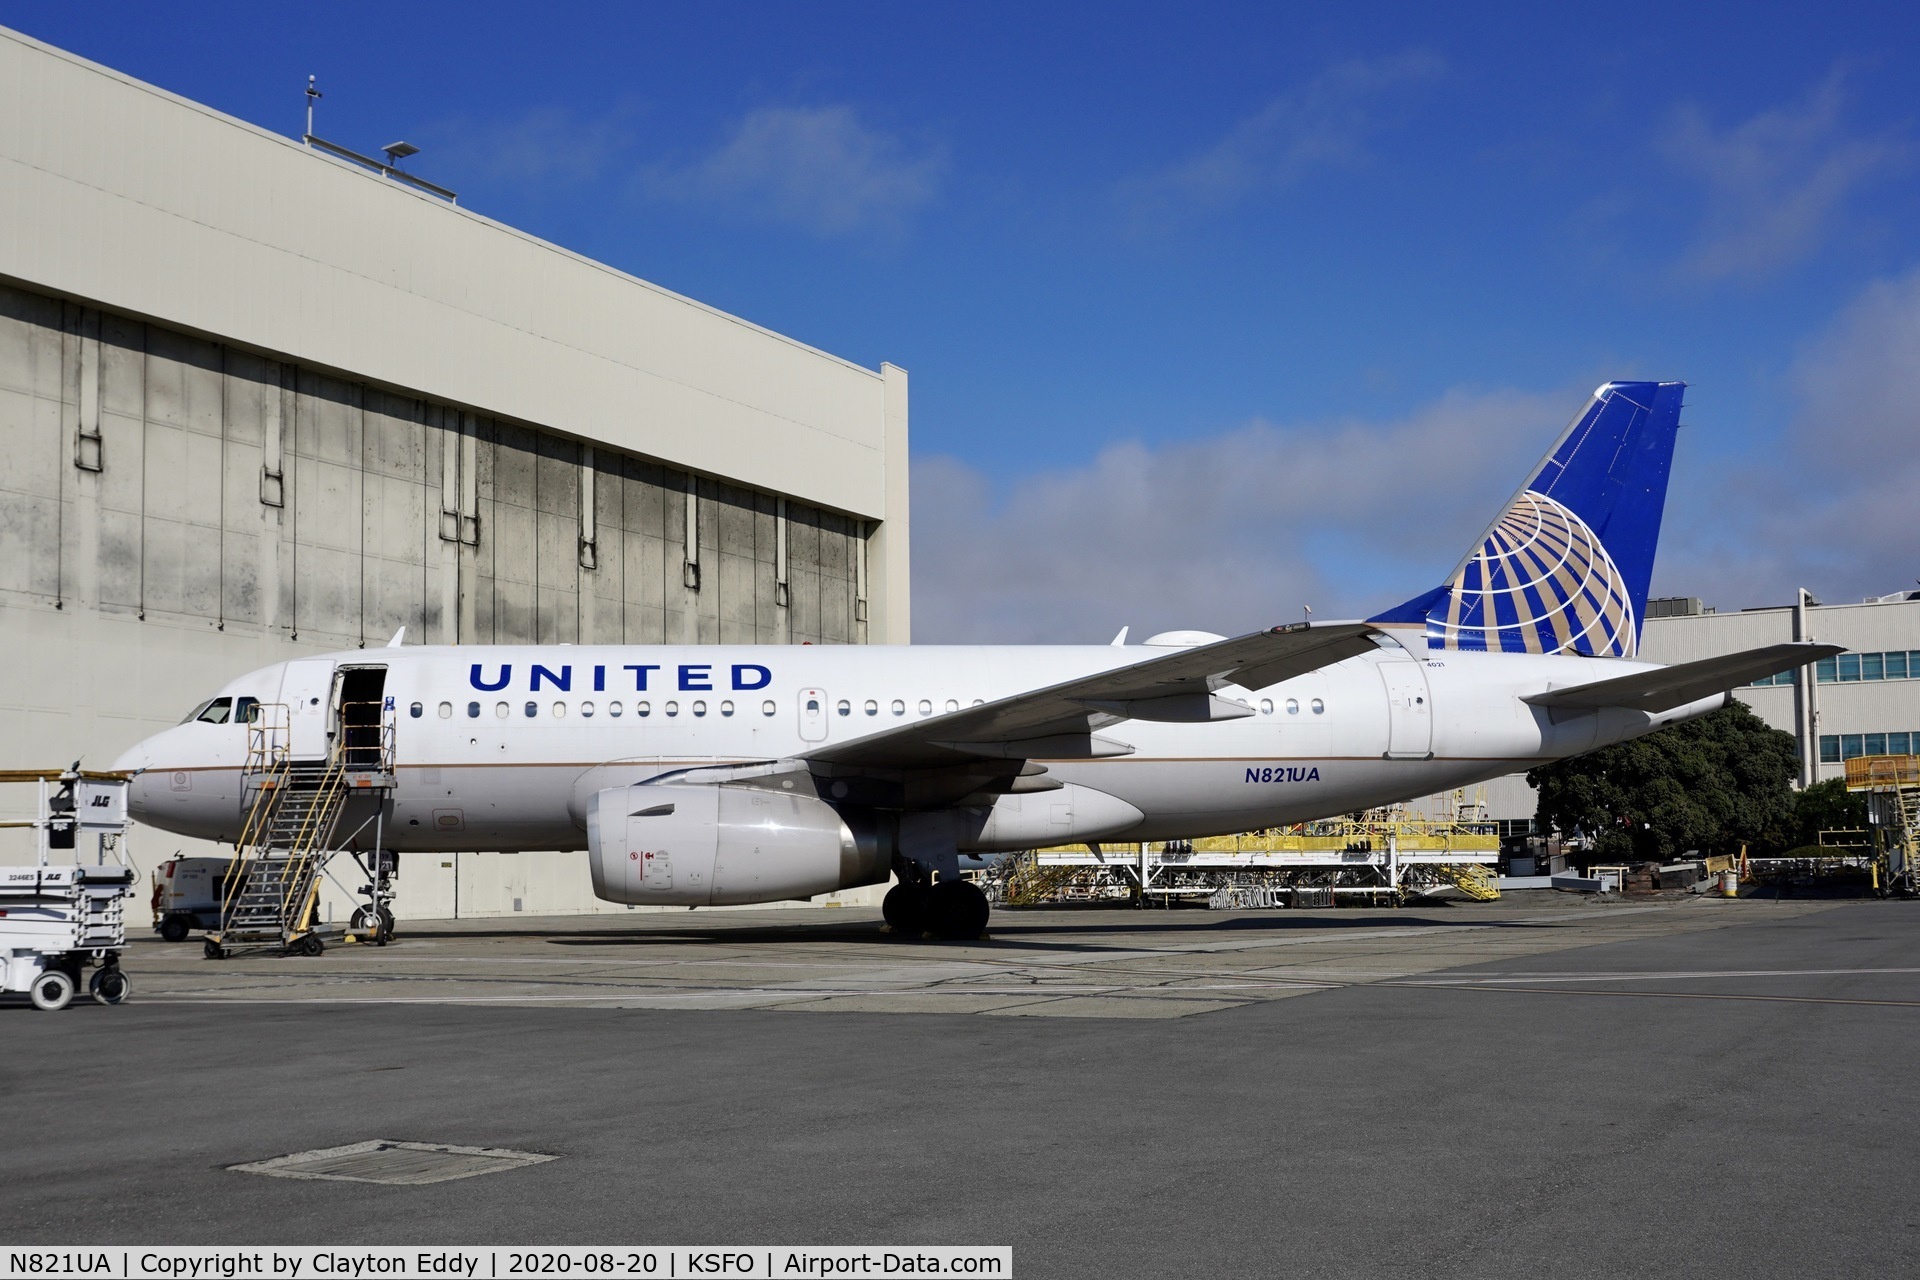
x=194, y=714
x=246, y=710
x=216, y=711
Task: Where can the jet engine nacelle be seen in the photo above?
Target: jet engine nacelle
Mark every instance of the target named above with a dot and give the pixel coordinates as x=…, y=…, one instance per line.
x=721, y=846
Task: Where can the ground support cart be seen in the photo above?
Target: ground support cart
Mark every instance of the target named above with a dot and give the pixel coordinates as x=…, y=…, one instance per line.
x=57, y=922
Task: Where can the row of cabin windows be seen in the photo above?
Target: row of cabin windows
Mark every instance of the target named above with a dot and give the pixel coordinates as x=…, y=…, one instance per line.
x=246, y=710
x=1848, y=668
x=1838, y=747
x=504, y=710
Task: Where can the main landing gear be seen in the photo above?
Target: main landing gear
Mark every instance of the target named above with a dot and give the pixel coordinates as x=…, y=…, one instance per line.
x=952, y=910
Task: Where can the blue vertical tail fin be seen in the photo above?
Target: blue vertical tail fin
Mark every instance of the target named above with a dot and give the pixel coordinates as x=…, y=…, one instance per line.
x=1564, y=568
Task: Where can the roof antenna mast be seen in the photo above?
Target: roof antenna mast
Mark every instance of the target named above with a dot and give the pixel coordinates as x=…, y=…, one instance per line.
x=313, y=96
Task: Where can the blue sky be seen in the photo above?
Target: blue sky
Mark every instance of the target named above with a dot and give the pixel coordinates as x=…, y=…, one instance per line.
x=1211, y=311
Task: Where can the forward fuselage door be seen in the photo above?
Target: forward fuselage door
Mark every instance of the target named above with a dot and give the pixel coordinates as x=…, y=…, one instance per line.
x=813, y=715
x=1409, y=712
x=306, y=687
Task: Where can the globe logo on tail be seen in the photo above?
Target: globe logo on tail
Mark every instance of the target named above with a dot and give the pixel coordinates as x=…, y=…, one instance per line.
x=1540, y=583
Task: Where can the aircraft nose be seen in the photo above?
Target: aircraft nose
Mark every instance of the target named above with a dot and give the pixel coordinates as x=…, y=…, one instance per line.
x=141, y=790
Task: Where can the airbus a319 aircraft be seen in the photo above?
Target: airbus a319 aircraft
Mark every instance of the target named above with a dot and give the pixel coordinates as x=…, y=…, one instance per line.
x=712, y=775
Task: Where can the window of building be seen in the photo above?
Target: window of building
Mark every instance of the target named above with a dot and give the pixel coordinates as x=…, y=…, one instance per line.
x=1829, y=748
x=1875, y=745
x=1891, y=664
x=1851, y=745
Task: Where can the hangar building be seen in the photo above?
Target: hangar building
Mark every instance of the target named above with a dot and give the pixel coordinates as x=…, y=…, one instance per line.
x=258, y=400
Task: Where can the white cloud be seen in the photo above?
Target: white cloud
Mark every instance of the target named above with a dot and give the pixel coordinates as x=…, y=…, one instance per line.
x=1774, y=184
x=1831, y=505
x=1326, y=122
x=1227, y=533
x=822, y=168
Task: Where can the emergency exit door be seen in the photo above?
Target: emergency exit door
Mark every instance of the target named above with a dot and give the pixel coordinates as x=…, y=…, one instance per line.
x=813, y=715
x=1409, y=717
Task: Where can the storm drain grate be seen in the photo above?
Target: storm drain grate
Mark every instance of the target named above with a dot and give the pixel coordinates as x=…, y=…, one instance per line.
x=400, y=1164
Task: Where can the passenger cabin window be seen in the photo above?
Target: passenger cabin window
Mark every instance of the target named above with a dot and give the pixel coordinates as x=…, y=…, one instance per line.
x=899, y=707
x=473, y=711
x=845, y=708
x=1318, y=706
x=416, y=711
x=533, y=709
x=216, y=711
x=613, y=709
x=446, y=711
x=767, y=708
x=586, y=708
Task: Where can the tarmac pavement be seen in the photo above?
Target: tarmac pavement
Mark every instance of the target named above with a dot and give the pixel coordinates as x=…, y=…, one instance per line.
x=1512, y=1089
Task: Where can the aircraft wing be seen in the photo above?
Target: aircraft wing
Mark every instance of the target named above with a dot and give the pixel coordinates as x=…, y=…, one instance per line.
x=1058, y=722
x=1667, y=687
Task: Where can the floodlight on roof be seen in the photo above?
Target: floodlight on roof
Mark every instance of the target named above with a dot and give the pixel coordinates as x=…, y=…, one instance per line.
x=398, y=151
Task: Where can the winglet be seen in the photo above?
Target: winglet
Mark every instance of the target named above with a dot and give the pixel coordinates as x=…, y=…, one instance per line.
x=398, y=636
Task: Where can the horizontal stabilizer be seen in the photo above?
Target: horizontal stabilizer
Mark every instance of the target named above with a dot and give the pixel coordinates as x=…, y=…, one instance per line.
x=1664, y=688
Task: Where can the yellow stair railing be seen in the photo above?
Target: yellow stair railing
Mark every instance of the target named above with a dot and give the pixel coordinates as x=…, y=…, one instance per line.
x=1474, y=879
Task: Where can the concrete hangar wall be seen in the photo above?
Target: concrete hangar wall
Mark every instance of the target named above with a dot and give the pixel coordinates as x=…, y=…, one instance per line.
x=257, y=401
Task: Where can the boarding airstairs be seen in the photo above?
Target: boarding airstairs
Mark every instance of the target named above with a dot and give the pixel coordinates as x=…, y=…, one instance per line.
x=291, y=832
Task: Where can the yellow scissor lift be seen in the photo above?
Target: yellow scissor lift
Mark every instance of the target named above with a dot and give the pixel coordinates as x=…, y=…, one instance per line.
x=273, y=891
x=1892, y=784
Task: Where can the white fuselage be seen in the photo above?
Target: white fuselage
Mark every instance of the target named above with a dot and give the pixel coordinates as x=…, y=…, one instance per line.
x=501, y=747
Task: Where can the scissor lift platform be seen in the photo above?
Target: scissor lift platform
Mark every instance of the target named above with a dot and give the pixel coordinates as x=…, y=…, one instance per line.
x=59, y=920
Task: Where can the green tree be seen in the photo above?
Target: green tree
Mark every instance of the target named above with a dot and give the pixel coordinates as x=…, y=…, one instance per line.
x=1709, y=784
x=1827, y=806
